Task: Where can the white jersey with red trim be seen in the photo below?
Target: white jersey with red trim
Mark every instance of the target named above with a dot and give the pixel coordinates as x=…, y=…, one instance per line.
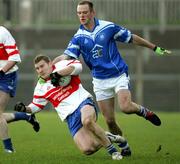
x=8, y=49
x=64, y=99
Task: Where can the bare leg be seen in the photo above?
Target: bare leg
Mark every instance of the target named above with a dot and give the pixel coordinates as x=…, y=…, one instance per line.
x=17, y=116
x=125, y=103
x=107, y=109
x=86, y=142
x=129, y=107
x=88, y=117
x=91, y=136
x=4, y=99
x=9, y=117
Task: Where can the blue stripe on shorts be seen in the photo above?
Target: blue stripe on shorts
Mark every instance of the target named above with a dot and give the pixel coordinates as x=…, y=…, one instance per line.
x=8, y=83
x=74, y=120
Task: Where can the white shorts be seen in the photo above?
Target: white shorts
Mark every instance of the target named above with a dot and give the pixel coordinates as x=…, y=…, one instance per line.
x=107, y=88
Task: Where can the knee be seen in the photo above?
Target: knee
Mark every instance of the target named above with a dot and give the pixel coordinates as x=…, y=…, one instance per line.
x=87, y=152
x=88, y=123
x=126, y=107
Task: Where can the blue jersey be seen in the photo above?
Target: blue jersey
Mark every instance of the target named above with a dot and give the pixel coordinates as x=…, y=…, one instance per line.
x=99, y=50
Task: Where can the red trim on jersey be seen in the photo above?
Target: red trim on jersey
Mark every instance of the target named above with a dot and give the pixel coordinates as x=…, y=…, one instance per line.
x=73, y=61
x=38, y=105
x=4, y=55
x=53, y=67
x=10, y=47
x=14, y=52
x=47, y=79
x=65, y=92
x=58, y=94
x=47, y=94
x=38, y=97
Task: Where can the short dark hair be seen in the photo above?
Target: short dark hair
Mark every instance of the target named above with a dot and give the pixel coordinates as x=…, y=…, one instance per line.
x=89, y=3
x=40, y=57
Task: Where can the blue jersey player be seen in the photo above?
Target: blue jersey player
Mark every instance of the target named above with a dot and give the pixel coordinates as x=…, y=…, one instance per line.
x=96, y=41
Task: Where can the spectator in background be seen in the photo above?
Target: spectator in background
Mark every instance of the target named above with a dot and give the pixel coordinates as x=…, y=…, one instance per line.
x=9, y=57
x=96, y=41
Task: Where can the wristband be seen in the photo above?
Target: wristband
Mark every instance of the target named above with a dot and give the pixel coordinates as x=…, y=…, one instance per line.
x=161, y=51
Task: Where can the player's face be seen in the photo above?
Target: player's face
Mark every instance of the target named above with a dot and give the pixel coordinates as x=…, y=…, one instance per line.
x=85, y=15
x=43, y=69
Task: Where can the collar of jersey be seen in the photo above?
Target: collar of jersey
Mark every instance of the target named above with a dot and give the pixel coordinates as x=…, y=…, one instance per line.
x=42, y=81
x=96, y=24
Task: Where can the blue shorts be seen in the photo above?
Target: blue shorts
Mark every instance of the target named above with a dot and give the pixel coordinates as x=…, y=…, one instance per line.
x=74, y=120
x=8, y=83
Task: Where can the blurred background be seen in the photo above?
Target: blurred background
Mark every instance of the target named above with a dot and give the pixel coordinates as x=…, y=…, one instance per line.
x=46, y=27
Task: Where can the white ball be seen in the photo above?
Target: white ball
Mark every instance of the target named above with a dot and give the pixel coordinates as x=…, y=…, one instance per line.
x=65, y=80
x=117, y=156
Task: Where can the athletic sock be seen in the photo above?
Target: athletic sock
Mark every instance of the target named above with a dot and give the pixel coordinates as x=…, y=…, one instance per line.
x=123, y=145
x=8, y=144
x=111, y=149
x=21, y=116
x=142, y=112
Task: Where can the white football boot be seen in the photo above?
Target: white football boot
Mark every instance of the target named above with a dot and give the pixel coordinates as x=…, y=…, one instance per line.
x=115, y=138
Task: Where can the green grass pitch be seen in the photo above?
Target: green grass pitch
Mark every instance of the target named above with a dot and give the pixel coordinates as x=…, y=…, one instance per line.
x=54, y=145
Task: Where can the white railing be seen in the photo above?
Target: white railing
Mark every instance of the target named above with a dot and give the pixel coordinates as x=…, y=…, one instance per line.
x=57, y=12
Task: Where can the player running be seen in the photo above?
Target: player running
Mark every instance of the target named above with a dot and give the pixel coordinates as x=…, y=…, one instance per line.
x=96, y=41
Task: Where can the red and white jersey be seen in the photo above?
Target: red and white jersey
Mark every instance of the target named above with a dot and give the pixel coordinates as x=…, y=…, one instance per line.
x=64, y=99
x=8, y=49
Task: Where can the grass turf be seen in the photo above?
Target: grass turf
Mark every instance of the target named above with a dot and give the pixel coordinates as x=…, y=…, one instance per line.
x=54, y=145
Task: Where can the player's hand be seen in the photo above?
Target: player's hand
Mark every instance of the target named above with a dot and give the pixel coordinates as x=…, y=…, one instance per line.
x=161, y=51
x=20, y=107
x=55, y=78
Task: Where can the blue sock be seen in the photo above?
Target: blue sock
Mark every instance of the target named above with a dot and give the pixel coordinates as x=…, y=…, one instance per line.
x=142, y=111
x=123, y=145
x=8, y=144
x=21, y=116
x=111, y=149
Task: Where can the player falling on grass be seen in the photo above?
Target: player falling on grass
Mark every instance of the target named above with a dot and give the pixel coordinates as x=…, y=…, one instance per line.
x=9, y=57
x=96, y=41
x=72, y=103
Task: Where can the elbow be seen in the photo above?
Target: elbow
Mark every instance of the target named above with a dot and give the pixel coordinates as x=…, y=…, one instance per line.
x=77, y=69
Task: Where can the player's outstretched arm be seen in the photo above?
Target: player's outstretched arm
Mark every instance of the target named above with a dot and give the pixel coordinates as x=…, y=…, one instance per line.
x=145, y=43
